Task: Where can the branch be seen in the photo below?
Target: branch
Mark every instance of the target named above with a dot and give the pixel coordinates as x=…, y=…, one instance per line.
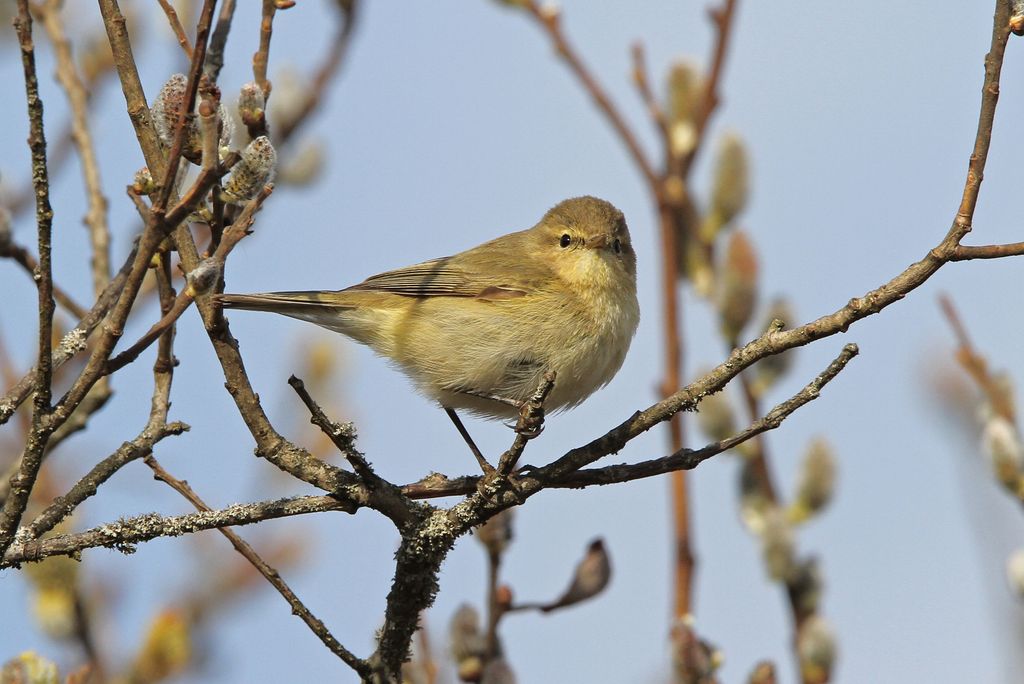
x=688, y=459
x=643, y=86
x=28, y=262
x=298, y=607
x=329, y=68
x=130, y=451
x=550, y=20
x=382, y=495
x=976, y=365
x=32, y=458
x=157, y=227
x=262, y=56
x=125, y=533
x=73, y=342
x=219, y=40
x=986, y=115
x=78, y=98
x=722, y=17
x=177, y=28
x=968, y=252
x=143, y=528
x=131, y=85
x=238, y=230
x=529, y=425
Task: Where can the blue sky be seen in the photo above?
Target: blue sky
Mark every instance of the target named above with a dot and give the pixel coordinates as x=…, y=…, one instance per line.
x=453, y=123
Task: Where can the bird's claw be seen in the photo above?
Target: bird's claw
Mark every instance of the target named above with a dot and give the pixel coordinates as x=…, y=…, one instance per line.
x=531, y=420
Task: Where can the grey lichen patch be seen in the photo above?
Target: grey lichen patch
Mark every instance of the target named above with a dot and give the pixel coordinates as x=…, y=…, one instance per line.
x=438, y=528
x=72, y=343
x=23, y=535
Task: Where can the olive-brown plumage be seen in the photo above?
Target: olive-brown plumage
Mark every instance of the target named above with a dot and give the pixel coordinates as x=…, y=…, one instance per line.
x=492, y=320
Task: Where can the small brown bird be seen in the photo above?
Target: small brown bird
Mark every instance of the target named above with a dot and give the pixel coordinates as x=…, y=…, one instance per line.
x=479, y=330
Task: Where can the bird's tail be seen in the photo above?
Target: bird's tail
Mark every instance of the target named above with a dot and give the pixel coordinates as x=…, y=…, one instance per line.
x=332, y=310
x=287, y=303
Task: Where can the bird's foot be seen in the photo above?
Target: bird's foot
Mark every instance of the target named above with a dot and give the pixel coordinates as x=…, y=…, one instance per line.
x=531, y=419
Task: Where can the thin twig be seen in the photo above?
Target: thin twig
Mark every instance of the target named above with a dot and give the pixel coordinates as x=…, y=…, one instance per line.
x=689, y=459
x=643, y=86
x=343, y=436
x=968, y=252
x=186, y=113
x=759, y=447
x=180, y=305
x=298, y=607
x=231, y=237
x=976, y=365
x=73, y=342
x=219, y=40
x=78, y=98
x=261, y=58
x=723, y=18
x=328, y=70
x=383, y=496
x=495, y=610
x=177, y=28
x=62, y=506
x=549, y=19
x=24, y=258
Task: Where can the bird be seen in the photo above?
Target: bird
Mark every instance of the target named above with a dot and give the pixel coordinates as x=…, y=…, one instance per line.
x=479, y=330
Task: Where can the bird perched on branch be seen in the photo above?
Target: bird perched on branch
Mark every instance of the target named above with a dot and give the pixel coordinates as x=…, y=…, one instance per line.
x=480, y=329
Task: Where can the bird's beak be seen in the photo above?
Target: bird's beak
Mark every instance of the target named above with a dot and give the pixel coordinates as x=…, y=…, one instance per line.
x=598, y=242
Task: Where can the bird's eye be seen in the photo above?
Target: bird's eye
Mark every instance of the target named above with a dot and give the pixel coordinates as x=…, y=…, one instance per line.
x=617, y=245
x=564, y=241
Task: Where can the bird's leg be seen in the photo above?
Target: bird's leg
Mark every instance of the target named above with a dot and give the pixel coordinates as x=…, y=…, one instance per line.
x=531, y=411
x=486, y=467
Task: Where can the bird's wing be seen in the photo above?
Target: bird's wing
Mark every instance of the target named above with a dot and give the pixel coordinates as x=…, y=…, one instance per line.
x=450, y=277
x=436, y=277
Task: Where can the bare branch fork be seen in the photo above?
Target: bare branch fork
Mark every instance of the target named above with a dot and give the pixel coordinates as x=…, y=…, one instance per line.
x=269, y=573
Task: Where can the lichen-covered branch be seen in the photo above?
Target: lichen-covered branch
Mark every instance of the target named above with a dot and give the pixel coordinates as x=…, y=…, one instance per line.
x=32, y=457
x=125, y=533
x=130, y=451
